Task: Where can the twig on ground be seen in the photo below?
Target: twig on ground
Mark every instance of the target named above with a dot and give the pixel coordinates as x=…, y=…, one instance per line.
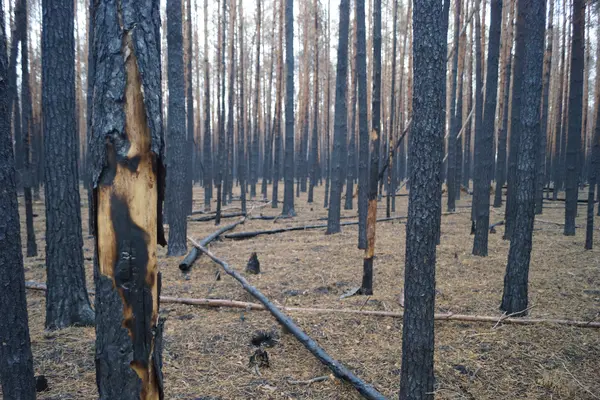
x=309, y=381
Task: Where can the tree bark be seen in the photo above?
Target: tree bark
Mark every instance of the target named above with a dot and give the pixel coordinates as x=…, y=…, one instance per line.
x=453, y=131
x=288, y=195
x=67, y=302
x=207, y=140
x=392, y=124
x=531, y=16
x=177, y=145
x=485, y=141
x=573, y=165
x=363, y=129
x=340, y=121
x=427, y=146
x=128, y=175
x=241, y=138
x=314, y=152
x=190, y=149
x=277, y=118
x=256, y=108
x=16, y=360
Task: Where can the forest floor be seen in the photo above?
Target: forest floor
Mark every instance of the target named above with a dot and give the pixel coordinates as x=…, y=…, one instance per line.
x=207, y=351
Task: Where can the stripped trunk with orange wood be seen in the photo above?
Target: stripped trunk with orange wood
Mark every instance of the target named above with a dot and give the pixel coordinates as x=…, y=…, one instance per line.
x=127, y=172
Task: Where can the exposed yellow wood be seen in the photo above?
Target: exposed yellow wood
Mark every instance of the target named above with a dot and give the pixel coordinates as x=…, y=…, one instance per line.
x=138, y=189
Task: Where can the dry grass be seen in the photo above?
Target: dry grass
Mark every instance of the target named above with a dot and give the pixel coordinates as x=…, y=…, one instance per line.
x=207, y=350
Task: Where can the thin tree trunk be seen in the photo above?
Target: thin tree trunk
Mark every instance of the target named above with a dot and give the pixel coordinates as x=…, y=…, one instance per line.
x=485, y=139
x=314, y=152
x=573, y=165
x=278, y=112
x=256, y=108
x=241, y=131
x=367, y=281
x=288, y=195
x=454, y=129
x=363, y=126
x=208, y=156
x=529, y=54
x=190, y=142
x=390, y=187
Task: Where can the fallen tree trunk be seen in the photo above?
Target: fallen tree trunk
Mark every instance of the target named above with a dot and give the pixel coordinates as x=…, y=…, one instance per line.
x=251, y=234
x=193, y=255
x=212, y=217
x=341, y=372
x=392, y=314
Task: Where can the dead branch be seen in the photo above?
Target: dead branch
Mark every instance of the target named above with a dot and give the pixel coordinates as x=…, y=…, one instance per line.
x=367, y=391
x=212, y=217
x=439, y=317
x=251, y=234
x=193, y=255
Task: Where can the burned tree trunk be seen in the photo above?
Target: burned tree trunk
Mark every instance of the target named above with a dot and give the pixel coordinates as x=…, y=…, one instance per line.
x=363, y=129
x=573, y=165
x=531, y=17
x=277, y=117
x=288, y=195
x=392, y=124
x=427, y=148
x=340, y=121
x=67, y=301
x=16, y=361
x=241, y=139
x=207, y=148
x=314, y=156
x=190, y=150
x=454, y=129
x=128, y=175
x=351, y=159
x=367, y=280
x=177, y=141
x=27, y=133
x=485, y=160
x=256, y=108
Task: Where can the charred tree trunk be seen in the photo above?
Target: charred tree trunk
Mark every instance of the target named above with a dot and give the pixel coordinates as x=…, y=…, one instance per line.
x=391, y=128
x=16, y=360
x=177, y=142
x=27, y=134
x=484, y=163
x=256, y=108
x=91, y=72
x=429, y=47
x=454, y=129
x=314, y=152
x=207, y=148
x=531, y=16
x=351, y=160
x=541, y=160
x=340, y=122
x=241, y=139
x=573, y=165
x=288, y=195
x=363, y=129
x=128, y=176
x=478, y=115
x=190, y=142
x=327, y=111
x=67, y=302
x=367, y=280
x=277, y=118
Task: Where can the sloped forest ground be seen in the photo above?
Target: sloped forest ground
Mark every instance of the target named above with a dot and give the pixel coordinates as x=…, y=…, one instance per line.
x=207, y=351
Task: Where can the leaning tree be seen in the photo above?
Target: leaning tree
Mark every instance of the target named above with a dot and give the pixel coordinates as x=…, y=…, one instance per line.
x=126, y=157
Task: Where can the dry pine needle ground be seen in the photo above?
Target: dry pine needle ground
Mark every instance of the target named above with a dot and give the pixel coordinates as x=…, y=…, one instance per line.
x=207, y=351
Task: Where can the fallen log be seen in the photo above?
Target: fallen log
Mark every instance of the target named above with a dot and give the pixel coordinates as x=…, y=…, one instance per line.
x=251, y=234
x=193, y=255
x=212, y=217
x=340, y=371
x=392, y=314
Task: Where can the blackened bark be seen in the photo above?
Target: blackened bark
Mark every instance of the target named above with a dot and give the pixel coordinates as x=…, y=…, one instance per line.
x=340, y=122
x=222, y=158
x=367, y=280
x=13, y=104
x=327, y=111
x=392, y=124
x=573, y=164
x=256, y=108
x=363, y=130
x=27, y=133
x=351, y=160
x=207, y=156
x=277, y=117
x=454, y=129
x=542, y=167
x=67, y=301
x=478, y=113
x=502, y=136
x=91, y=72
x=288, y=195
x=593, y=174
x=314, y=151
x=531, y=16
x=484, y=163
x=190, y=142
x=241, y=139
x=177, y=163
x=126, y=157
x=515, y=135
x=427, y=148
x=16, y=361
